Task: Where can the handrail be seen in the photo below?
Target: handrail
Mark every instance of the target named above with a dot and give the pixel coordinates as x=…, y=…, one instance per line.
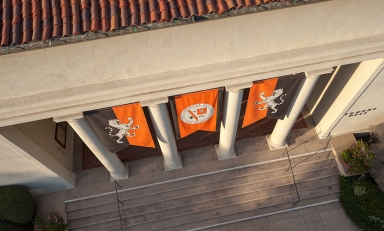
x=118, y=205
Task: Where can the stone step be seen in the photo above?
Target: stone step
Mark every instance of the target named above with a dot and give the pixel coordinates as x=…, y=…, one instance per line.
x=194, y=181
x=314, y=166
x=177, y=193
x=154, y=201
x=194, y=216
x=204, y=199
x=250, y=214
x=185, y=205
x=179, y=184
x=234, y=212
x=328, y=180
x=253, y=212
x=308, y=190
x=298, y=160
x=317, y=173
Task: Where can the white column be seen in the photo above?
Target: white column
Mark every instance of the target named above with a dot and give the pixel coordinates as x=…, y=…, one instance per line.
x=164, y=133
x=110, y=160
x=277, y=139
x=230, y=119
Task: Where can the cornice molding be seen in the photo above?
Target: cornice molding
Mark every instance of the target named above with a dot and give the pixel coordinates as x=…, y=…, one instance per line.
x=59, y=104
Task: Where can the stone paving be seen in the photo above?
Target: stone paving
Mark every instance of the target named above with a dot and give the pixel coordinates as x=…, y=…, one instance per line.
x=326, y=217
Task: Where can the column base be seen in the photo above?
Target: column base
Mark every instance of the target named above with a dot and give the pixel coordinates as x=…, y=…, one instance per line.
x=125, y=174
x=273, y=146
x=169, y=168
x=232, y=154
x=320, y=133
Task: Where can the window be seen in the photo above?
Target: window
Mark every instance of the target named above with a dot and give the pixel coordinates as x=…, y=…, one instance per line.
x=61, y=133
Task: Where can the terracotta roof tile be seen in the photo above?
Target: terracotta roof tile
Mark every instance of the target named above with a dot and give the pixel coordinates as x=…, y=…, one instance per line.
x=6, y=22
x=123, y=6
x=174, y=9
x=84, y=16
x=134, y=13
x=94, y=15
x=163, y=8
x=192, y=7
x=153, y=11
x=24, y=21
x=76, y=19
x=182, y=7
x=36, y=15
x=104, y=9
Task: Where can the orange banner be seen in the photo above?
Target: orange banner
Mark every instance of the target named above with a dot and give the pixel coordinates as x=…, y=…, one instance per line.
x=132, y=117
x=197, y=111
x=252, y=111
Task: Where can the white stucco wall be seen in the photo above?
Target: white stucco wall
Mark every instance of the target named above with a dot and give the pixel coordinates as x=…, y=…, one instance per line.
x=69, y=79
x=358, y=117
x=23, y=162
x=42, y=132
x=351, y=88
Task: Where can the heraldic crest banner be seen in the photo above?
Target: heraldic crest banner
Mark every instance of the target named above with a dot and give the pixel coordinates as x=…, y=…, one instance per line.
x=270, y=98
x=121, y=126
x=196, y=111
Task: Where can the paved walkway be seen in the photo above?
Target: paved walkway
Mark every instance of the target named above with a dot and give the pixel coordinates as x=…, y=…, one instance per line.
x=326, y=217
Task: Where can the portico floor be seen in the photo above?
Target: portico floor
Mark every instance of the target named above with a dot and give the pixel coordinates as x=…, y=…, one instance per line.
x=204, y=160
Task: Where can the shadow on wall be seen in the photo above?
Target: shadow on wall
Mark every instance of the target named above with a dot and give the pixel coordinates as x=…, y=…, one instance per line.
x=321, y=99
x=39, y=185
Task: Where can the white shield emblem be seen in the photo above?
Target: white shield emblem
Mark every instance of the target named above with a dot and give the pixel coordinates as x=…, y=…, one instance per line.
x=197, y=113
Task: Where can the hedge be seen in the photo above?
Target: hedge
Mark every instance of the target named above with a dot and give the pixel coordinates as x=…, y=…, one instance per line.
x=363, y=202
x=9, y=227
x=16, y=204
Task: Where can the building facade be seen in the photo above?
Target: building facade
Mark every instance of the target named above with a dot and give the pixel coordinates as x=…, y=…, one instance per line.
x=339, y=45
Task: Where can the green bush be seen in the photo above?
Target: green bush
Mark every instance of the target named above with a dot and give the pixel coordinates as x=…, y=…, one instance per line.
x=363, y=202
x=16, y=204
x=9, y=227
x=359, y=157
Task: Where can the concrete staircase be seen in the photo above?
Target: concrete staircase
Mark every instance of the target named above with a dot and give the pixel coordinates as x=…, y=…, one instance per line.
x=214, y=198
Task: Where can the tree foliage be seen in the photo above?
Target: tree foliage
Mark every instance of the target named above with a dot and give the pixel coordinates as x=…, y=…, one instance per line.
x=363, y=202
x=16, y=204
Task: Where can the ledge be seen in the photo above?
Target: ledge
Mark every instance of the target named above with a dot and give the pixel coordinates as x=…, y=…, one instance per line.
x=340, y=143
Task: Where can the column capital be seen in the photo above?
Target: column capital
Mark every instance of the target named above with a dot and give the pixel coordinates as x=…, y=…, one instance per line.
x=239, y=86
x=312, y=74
x=152, y=102
x=75, y=116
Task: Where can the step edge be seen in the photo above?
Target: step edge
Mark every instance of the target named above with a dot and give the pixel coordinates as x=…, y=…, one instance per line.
x=316, y=178
x=306, y=198
x=262, y=189
x=238, y=212
x=198, y=175
x=266, y=214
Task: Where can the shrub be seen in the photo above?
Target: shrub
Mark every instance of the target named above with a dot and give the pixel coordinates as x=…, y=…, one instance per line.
x=60, y=225
x=16, y=204
x=359, y=157
x=363, y=202
x=49, y=222
x=9, y=227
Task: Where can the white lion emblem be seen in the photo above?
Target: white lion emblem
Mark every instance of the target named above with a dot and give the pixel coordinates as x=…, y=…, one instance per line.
x=270, y=100
x=123, y=129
